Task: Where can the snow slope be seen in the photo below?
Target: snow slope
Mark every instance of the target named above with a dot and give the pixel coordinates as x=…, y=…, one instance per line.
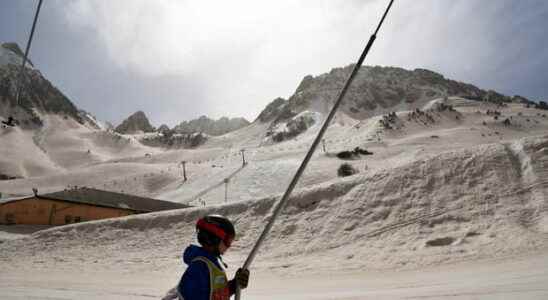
x=64, y=152
x=450, y=191
x=522, y=277
x=61, y=151
x=447, y=208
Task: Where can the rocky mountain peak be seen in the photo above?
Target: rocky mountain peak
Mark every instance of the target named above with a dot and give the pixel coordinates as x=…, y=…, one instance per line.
x=163, y=128
x=273, y=109
x=137, y=122
x=209, y=126
x=375, y=90
x=38, y=95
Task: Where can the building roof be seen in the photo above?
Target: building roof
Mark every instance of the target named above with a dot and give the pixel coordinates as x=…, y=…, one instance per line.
x=11, y=199
x=106, y=199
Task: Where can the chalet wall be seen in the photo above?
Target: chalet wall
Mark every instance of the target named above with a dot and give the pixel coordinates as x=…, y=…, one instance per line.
x=51, y=212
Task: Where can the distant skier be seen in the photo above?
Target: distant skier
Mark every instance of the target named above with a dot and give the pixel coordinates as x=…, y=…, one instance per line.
x=205, y=278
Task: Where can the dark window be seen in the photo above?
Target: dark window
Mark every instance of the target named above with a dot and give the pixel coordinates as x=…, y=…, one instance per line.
x=68, y=219
x=77, y=219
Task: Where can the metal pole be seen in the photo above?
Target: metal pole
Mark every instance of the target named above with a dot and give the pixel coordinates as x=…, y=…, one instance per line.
x=184, y=170
x=226, y=189
x=243, y=157
x=27, y=50
x=299, y=172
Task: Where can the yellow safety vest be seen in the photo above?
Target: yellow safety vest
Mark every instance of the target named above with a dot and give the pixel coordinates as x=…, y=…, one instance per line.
x=218, y=283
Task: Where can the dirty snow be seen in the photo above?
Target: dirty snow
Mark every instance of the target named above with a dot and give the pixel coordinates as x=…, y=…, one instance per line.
x=462, y=214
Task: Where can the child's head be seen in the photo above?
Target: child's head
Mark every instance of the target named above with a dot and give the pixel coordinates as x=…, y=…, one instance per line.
x=215, y=233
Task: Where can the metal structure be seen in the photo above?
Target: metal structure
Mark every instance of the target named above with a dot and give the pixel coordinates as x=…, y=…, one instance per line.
x=243, y=158
x=25, y=57
x=184, y=170
x=226, y=181
x=308, y=156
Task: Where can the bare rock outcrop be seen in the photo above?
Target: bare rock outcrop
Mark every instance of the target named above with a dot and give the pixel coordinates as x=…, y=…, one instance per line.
x=137, y=122
x=375, y=90
x=37, y=96
x=209, y=126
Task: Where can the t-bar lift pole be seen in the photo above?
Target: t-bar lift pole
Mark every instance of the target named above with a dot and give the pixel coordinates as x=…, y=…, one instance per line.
x=302, y=167
x=25, y=58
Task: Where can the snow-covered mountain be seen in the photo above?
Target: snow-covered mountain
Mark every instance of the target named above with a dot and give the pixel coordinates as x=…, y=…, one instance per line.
x=38, y=95
x=375, y=91
x=137, y=122
x=191, y=134
x=211, y=127
x=381, y=89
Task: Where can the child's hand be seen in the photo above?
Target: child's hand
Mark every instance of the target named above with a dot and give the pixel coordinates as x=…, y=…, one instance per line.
x=242, y=277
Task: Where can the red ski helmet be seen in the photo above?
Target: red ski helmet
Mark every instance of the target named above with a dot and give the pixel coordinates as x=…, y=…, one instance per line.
x=212, y=229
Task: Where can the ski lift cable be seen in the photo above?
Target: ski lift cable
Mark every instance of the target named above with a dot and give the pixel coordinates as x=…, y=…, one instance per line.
x=25, y=57
x=315, y=143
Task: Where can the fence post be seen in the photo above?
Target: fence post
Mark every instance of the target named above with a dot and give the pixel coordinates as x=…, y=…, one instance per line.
x=226, y=181
x=243, y=158
x=184, y=170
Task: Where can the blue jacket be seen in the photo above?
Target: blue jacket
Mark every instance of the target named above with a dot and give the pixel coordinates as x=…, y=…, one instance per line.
x=194, y=284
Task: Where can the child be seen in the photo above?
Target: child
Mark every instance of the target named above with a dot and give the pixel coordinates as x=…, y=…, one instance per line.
x=205, y=279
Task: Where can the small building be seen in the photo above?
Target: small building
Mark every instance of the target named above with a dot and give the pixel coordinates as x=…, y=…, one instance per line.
x=77, y=205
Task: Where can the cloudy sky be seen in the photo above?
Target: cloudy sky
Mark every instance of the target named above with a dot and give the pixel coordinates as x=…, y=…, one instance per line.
x=177, y=59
